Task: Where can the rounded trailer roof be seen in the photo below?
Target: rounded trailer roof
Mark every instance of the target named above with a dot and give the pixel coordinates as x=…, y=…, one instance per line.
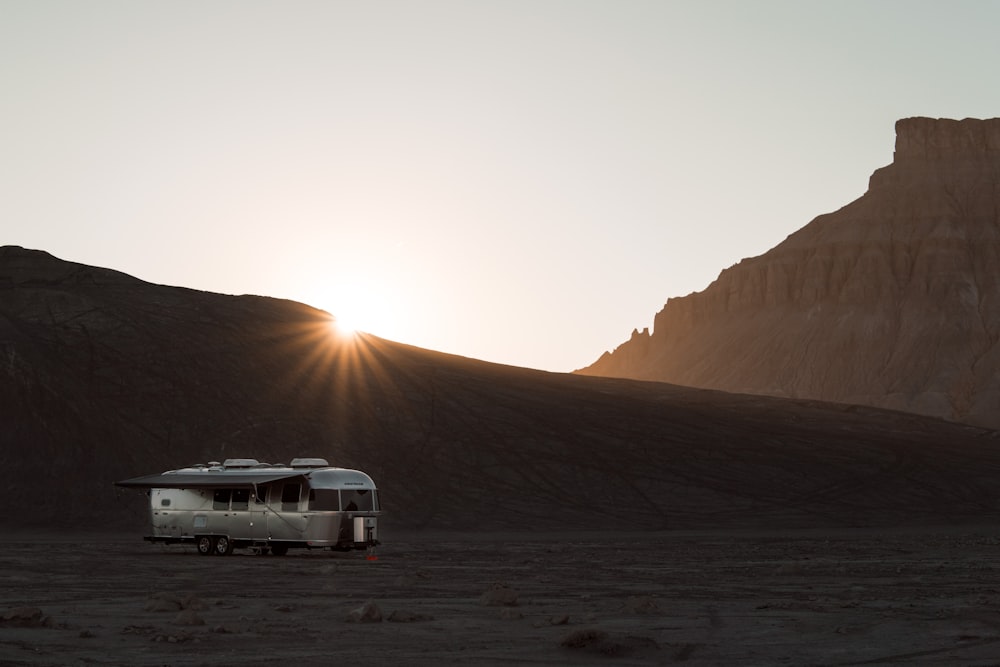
x=219, y=477
x=339, y=478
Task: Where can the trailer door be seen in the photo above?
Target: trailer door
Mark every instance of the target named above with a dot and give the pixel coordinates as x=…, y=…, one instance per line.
x=286, y=522
x=259, y=512
x=240, y=516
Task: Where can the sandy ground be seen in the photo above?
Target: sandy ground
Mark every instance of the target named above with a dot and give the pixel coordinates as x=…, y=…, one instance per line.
x=919, y=596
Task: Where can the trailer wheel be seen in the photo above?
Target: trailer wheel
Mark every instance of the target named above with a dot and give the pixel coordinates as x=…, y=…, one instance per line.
x=223, y=546
x=205, y=546
x=279, y=549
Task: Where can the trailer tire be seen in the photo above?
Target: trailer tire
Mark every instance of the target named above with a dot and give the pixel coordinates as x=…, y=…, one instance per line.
x=205, y=545
x=279, y=549
x=223, y=546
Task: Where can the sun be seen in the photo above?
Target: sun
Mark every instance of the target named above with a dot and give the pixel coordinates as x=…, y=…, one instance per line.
x=343, y=327
x=356, y=307
x=353, y=312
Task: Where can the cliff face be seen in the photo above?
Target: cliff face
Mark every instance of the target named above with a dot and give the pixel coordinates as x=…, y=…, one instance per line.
x=892, y=301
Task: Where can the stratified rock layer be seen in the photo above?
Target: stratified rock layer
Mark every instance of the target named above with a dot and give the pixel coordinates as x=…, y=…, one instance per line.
x=892, y=301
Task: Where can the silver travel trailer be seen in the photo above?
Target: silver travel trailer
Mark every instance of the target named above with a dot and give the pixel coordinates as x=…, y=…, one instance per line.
x=242, y=503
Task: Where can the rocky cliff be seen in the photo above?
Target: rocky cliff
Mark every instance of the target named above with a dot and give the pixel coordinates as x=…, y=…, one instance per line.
x=891, y=301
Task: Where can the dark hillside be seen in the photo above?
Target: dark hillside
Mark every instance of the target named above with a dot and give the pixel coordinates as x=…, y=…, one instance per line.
x=104, y=376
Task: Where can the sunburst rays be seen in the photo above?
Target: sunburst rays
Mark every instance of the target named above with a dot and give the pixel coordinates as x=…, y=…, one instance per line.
x=343, y=379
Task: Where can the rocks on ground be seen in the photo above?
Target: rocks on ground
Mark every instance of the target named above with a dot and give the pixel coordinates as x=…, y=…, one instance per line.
x=26, y=617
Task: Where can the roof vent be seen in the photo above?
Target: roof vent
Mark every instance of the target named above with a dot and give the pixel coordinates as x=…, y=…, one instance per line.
x=310, y=463
x=239, y=463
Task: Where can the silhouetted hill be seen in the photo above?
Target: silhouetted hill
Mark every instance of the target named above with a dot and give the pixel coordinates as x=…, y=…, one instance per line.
x=104, y=377
x=892, y=301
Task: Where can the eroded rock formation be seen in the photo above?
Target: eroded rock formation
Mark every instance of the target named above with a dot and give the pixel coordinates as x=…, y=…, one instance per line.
x=891, y=301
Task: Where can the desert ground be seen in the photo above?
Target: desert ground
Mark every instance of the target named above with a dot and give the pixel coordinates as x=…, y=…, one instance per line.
x=927, y=595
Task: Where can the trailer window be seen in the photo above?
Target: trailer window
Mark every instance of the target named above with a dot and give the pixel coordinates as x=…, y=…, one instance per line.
x=241, y=499
x=324, y=499
x=290, y=497
x=221, y=500
x=358, y=500
x=261, y=496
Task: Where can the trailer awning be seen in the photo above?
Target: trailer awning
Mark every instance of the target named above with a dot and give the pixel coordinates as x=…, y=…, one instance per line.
x=204, y=480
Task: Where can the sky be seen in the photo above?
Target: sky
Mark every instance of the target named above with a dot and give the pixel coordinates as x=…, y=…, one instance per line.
x=523, y=182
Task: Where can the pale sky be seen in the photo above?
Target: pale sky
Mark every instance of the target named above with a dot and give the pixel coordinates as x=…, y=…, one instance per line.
x=524, y=182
